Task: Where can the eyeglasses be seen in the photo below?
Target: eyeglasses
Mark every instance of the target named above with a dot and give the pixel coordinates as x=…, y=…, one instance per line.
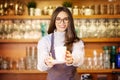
x=65, y=20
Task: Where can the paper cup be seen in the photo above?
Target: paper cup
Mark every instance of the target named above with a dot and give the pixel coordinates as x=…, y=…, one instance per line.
x=60, y=53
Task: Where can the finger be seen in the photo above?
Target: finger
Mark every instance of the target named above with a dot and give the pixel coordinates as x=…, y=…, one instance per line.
x=68, y=52
x=69, y=61
x=68, y=55
x=50, y=54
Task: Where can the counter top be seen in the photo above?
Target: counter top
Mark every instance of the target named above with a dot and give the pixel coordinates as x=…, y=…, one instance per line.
x=79, y=71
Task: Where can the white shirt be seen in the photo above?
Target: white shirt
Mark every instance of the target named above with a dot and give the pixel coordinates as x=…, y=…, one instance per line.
x=44, y=49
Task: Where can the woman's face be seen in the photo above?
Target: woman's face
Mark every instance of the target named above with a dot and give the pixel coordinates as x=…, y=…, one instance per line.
x=61, y=21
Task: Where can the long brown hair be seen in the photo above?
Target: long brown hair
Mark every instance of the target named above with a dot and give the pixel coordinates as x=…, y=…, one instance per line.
x=70, y=33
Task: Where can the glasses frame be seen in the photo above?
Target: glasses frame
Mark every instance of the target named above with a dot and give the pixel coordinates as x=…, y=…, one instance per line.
x=64, y=20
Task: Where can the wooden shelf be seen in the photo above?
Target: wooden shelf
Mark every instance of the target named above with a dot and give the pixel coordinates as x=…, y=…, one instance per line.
x=96, y=16
x=96, y=71
x=25, y=17
x=48, y=17
x=78, y=70
x=36, y=40
x=19, y=40
x=21, y=71
x=101, y=40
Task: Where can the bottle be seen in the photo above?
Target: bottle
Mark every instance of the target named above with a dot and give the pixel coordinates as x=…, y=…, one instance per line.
x=118, y=58
x=28, y=58
x=100, y=61
x=112, y=56
x=1, y=10
x=1, y=59
x=95, y=60
x=75, y=10
x=50, y=10
x=106, y=57
x=81, y=11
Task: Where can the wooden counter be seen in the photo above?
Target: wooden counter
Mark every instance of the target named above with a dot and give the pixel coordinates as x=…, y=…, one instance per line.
x=38, y=75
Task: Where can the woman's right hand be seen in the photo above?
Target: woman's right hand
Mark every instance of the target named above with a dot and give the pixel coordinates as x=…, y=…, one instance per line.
x=49, y=61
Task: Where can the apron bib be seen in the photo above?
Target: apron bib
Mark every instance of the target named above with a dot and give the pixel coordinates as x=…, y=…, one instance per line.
x=60, y=71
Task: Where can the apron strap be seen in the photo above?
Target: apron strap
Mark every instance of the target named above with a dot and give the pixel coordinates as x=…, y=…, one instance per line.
x=52, y=51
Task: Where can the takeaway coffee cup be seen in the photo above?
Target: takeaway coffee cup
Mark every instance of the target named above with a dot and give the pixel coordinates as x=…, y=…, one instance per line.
x=60, y=53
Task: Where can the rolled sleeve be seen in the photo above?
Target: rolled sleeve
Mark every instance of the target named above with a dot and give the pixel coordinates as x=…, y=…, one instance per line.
x=78, y=53
x=43, y=53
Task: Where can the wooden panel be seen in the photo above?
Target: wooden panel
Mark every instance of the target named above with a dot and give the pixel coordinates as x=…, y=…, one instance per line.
x=28, y=75
x=31, y=77
x=18, y=50
x=14, y=50
x=23, y=76
x=43, y=76
x=89, y=47
x=8, y=77
x=95, y=76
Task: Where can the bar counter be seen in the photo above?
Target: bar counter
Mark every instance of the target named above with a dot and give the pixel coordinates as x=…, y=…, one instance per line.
x=38, y=75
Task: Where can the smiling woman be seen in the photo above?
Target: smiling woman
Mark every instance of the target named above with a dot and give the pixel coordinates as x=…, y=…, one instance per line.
x=61, y=33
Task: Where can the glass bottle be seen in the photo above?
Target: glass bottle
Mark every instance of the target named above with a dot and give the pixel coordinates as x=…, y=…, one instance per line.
x=75, y=10
x=1, y=59
x=95, y=60
x=77, y=27
x=92, y=28
x=50, y=10
x=111, y=28
x=4, y=64
x=21, y=64
x=28, y=59
x=1, y=10
x=106, y=57
x=97, y=9
x=16, y=6
x=97, y=24
x=115, y=24
x=89, y=65
x=88, y=25
x=118, y=29
x=112, y=56
x=43, y=28
x=100, y=61
x=83, y=28
x=33, y=58
x=102, y=28
x=118, y=58
x=101, y=9
x=81, y=11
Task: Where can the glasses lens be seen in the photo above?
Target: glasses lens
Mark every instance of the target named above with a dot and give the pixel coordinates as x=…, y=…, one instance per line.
x=66, y=20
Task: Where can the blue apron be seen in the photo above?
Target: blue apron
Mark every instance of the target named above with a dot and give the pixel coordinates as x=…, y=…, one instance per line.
x=60, y=71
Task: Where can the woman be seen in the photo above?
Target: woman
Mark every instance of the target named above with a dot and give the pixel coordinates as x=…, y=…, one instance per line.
x=61, y=32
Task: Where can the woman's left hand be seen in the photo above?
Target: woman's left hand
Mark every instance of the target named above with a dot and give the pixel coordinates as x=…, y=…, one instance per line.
x=68, y=57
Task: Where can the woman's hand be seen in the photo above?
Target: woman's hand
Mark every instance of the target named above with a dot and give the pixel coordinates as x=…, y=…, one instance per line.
x=68, y=58
x=49, y=61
